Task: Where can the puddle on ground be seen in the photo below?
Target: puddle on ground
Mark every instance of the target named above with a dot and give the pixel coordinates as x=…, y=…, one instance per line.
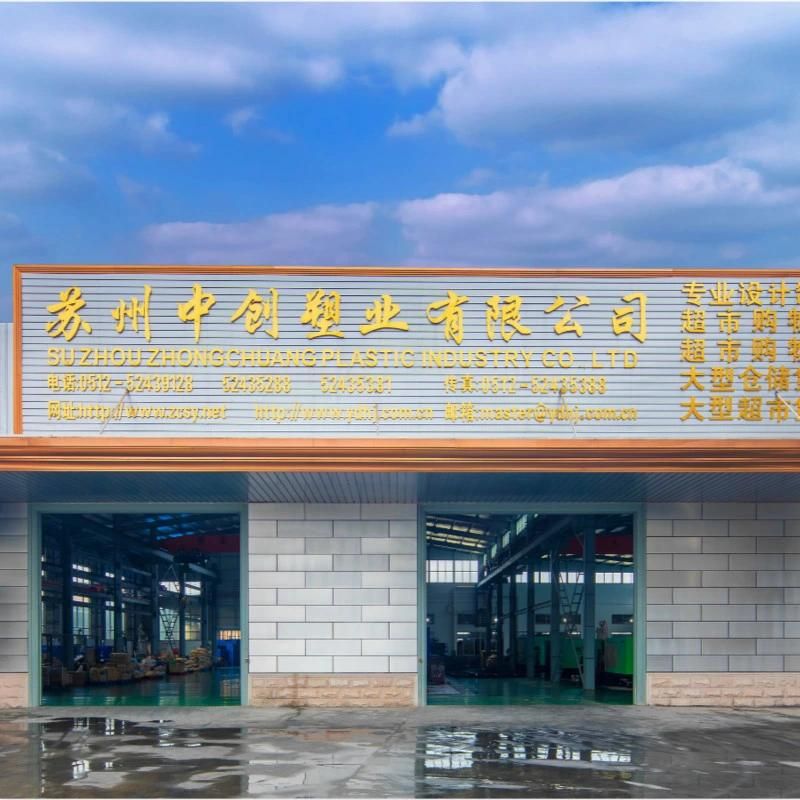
x=95, y=756
x=455, y=761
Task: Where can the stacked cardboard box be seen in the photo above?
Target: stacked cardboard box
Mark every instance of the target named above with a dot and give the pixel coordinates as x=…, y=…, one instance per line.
x=121, y=663
x=199, y=658
x=98, y=675
x=177, y=666
x=58, y=678
x=79, y=677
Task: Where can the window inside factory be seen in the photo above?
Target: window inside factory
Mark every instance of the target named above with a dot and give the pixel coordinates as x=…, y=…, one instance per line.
x=452, y=571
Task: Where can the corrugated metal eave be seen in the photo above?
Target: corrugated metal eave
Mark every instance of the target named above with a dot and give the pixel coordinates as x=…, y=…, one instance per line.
x=390, y=487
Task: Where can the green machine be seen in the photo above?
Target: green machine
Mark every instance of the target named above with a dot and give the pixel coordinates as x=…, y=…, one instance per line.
x=541, y=649
x=615, y=653
x=619, y=656
x=571, y=652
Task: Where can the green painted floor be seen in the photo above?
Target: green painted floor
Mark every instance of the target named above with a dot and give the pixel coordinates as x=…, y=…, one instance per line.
x=219, y=687
x=518, y=691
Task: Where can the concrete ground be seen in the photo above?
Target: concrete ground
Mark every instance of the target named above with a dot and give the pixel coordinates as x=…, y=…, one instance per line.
x=534, y=751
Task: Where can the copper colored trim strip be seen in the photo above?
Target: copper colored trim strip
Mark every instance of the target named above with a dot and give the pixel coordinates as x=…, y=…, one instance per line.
x=323, y=455
x=433, y=271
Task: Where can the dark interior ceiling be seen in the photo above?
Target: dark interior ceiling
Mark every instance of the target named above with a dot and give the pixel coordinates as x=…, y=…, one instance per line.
x=471, y=535
x=103, y=530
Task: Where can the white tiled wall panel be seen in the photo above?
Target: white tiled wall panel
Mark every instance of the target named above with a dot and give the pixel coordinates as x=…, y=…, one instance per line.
x=723, y=587
x=333, y=587
x=14, y=587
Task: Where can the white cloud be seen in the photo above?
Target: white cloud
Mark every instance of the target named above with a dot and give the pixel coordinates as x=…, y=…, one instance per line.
x=479, y=176
x=15, y=236
x=319, y=72
x=245, y=120
x=115, y=50
x=28, y=169
x=416, y=125
x=420, y=63
x=663, y=214
x=628, y=75
x=153, y=134
x=770, y=145
x=656, y=74
x=324, y=234
x=78, y=76
x=81, y=123
x=17, y=244
x=238, y=119
x=139, y=195
x=161, y=52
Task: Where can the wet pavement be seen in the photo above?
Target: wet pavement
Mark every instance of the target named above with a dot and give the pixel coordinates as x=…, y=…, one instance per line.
x=540, y=751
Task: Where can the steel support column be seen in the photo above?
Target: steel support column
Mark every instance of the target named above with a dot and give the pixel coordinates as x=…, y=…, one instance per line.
x=555, y=616
x=155, y=610
x=182, y=612
x=212, y=616
x=118, y=632
x=589, y=657
x=67, y=633
x=530, y=655
x=205, y=585
x=500, y=621
x=512, y=620
x=489, y=626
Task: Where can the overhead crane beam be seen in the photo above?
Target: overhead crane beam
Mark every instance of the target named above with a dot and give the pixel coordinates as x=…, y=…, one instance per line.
x=533, y=545
x=208, y=573
x=130, y=543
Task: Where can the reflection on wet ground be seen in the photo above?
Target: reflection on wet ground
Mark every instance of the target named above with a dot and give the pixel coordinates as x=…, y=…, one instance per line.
x=555, y=752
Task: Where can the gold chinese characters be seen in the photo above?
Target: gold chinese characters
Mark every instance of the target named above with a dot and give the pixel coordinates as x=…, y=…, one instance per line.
x=731, y=351
x=258, y=311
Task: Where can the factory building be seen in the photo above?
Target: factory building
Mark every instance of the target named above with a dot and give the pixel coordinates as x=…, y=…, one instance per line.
x=399, y=486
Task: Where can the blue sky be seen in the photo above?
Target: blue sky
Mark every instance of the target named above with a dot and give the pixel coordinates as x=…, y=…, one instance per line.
x=442, y=134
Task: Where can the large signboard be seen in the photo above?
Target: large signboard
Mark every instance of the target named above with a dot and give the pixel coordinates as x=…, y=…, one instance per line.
x=407, y=353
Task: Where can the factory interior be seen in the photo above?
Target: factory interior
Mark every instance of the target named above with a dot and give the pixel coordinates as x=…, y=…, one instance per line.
x=529, y=608
x=525, y=608
x=140, y=609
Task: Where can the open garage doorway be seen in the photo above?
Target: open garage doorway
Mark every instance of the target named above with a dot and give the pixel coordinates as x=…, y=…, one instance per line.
x=530, y=608
x=140, y=609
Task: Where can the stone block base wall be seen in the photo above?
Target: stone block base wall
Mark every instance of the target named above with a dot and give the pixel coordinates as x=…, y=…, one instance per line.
x=734, y=690
x=13, y=690
x=320, y=690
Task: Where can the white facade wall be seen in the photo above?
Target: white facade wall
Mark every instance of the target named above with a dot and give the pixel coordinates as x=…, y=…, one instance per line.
x=6, y=378
x=723, y=587
x=332, y=588
x=13, y=604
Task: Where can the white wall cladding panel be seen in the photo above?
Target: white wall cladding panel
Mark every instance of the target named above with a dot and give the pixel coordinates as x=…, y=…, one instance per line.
x=652, y=387
x=740, y=617
x=340, y=614
x=13, y=587
x=6, y=379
